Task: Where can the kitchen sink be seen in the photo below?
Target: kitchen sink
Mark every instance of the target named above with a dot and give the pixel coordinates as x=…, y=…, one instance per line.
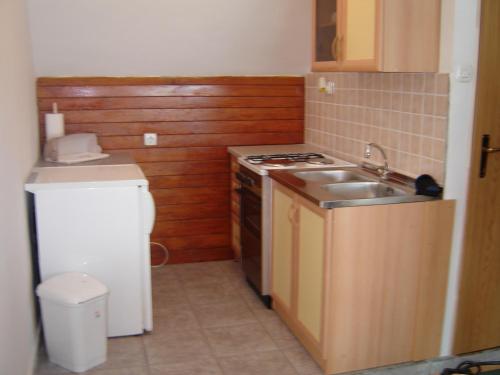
x=347, y=187
x=363, y=190
x=330, y=177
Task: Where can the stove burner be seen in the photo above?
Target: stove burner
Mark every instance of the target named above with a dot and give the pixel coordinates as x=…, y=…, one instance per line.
x=283, y=159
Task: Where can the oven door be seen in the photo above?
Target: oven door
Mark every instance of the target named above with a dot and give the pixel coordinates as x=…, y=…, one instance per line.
x=251, y=246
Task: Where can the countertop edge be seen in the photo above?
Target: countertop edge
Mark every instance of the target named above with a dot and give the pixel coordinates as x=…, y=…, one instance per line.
x=291, y=182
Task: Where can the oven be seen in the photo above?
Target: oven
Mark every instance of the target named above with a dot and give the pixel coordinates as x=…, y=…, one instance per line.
x=251, y=235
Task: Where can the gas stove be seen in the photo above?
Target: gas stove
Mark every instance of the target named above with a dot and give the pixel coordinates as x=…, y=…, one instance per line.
x=262, y=163
x=287, y=159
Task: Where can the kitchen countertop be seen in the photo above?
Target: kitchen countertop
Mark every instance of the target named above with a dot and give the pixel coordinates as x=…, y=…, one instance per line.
x=113, y=159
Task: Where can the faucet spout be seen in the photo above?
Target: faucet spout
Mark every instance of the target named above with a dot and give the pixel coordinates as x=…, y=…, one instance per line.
x=384, y=171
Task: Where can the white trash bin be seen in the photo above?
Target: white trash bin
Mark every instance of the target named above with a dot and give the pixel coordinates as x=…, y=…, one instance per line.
x=74, y=320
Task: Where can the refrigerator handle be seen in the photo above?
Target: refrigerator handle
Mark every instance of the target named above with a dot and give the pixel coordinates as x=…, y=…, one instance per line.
x=149, y=212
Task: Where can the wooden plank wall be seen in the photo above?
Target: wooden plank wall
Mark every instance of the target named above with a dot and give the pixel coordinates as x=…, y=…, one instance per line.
x=196, y=120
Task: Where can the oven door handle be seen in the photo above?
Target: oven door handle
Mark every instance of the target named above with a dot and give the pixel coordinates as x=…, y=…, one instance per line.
x=244, y=179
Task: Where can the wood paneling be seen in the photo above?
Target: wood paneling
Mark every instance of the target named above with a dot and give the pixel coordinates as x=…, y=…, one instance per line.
x=168, y=90
x=192, y=127
x=68, y=104
x=203, y=140
x=120, y=81
x=166, y=182
x=196, y=119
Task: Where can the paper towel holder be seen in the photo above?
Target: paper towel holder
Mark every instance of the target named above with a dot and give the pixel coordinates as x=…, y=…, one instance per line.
x=54, y=123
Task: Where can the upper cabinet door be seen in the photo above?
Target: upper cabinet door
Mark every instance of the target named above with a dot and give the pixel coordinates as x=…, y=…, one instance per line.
x=377, y=35
x=359, y=37
x=326, y=32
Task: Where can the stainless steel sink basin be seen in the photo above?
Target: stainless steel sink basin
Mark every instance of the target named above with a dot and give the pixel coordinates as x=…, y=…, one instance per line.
x=363, y=190
x=347, y=187
x=330, y=177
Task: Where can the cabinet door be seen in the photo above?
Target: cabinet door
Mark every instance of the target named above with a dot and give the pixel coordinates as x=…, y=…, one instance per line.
x=358, y=39
x=310, y=259
x=326, y=29
x=282, y=247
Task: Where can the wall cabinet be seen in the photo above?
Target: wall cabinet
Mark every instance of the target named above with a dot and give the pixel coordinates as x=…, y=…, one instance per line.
x=376, y=35
x=361, y=287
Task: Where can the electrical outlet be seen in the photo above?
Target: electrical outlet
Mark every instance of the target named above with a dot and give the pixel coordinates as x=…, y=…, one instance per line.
x=150, y=139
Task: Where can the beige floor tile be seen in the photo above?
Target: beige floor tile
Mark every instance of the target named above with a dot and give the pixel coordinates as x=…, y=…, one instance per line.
x=204, y=294
x=239, y=339
x=231, y=271
x=169, y=299
x=230, y=266
x=264, y=363
x=176, y=346
x=266, y=314
x=211, y=268
x=224, y=314
x=236, y=283
x=166, y=286
x=302, y=362
x=209, y=272
x=196, y=277
x=251, y=298
x=163, y=273
x=45, y=367
x=199, y=365
x=173, y=318
x=279, y=332
x=119, y=371
x=124, y=352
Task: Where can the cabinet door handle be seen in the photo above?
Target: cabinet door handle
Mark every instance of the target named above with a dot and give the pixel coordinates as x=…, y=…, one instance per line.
x=291, y=213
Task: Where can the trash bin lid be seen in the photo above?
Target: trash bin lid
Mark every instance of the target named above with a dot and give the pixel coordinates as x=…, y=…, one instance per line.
x=71, y=288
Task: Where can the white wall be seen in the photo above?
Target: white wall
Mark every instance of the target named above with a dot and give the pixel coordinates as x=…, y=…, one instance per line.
x=170, y=37
x=18, y=151
x=463, y=44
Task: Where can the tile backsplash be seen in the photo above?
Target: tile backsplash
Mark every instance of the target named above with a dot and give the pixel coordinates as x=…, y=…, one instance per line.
x=406, y=113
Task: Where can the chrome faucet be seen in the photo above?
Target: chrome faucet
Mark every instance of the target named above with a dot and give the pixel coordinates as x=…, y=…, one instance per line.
x=383, y=171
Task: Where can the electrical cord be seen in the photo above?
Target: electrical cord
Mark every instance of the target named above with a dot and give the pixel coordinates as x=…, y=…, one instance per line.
x=469, y=367
x=165, y=251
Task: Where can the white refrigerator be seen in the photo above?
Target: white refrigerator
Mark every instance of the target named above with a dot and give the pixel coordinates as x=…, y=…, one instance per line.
x=97, y=219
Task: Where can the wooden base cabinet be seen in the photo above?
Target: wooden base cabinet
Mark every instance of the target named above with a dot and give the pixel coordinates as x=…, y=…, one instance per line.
x=361, y=287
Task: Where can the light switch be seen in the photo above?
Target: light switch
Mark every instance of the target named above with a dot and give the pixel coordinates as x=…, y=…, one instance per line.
x=464, y=73
x=322, y=84
x=150, y=139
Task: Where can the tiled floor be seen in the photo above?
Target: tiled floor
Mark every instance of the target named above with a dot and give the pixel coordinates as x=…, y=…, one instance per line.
x=207, y=321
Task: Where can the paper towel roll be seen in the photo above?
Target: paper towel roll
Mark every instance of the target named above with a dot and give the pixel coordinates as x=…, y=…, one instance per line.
x=54, y=124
